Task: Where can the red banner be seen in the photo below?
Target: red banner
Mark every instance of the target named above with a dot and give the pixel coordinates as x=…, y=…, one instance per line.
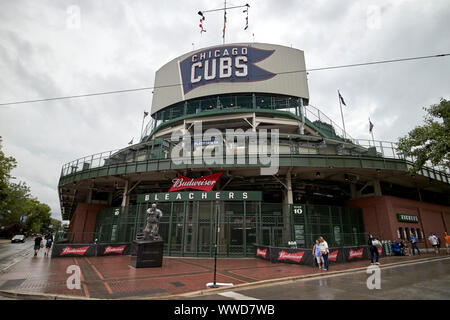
x=333, y=255
x=205, y=183
x=296, y=257
x=355, y=253
x=118, y=250
x=69, y=250
x=261, y=253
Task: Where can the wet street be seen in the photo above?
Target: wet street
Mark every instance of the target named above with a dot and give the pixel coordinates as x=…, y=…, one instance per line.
x=417, y=280
x=11, y=253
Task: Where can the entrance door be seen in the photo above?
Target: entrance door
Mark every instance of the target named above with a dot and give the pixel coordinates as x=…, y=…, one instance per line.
x=272, y=236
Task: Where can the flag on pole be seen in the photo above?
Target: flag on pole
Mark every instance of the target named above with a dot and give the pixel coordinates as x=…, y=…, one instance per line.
x=201, y=22
x=342, y=99
x=246, y=18
x=131, y=142
x=370, y=126
x=224, y=24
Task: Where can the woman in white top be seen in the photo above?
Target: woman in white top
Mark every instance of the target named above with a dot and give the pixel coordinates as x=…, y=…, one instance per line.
x=324, y=252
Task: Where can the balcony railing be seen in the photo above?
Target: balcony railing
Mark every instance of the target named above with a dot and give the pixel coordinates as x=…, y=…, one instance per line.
x=143, y=152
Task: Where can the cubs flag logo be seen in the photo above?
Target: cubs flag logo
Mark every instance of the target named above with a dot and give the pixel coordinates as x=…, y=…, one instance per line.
x=224, y=64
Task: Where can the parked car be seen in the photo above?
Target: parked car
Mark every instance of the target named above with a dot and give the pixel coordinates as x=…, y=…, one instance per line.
x=18, y=238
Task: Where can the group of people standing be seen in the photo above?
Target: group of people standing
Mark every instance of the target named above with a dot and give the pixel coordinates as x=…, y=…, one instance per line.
x=320, y=251
x=40, y=242
x=436, y=242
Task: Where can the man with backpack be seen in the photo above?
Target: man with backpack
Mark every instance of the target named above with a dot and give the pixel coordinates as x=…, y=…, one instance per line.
x=374, y=244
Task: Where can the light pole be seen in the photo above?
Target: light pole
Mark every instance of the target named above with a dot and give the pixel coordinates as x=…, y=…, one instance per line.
x=215, y=284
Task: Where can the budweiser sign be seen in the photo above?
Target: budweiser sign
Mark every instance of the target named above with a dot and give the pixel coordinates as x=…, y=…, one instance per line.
x=333, y=255
x=69, y=250
x=118, y=250
x=356, y=253
x=283, y=255
x=261, y=253
x=205, y=183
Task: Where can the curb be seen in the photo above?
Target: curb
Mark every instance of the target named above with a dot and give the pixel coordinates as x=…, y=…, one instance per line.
x=269, y=282
x=243, y=286
x=41, y=296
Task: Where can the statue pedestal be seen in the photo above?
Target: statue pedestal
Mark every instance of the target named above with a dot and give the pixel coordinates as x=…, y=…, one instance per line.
x=147, y=253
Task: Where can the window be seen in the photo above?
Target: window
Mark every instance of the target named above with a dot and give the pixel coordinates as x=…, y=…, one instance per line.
x=407, y=233
x=400, y=233
x=419, y=234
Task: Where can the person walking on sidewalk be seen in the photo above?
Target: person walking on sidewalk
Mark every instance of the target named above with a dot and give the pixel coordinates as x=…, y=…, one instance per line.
x=434, y=242
x=48, y=244
x=447, y=242
x=413, y=239
x=324, y=252
x=37, y=244
x=317, y=255
x=373, y=247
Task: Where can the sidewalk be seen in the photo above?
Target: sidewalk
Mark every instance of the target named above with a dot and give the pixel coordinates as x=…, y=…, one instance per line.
x=113, y=278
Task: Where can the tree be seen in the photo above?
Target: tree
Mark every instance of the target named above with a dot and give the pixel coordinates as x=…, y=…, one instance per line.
x=6, y=165
x=38, y=216
x=16, y=202
x=430, y=142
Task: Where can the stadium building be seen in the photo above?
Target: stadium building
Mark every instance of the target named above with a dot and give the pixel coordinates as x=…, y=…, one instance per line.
x=233, y=142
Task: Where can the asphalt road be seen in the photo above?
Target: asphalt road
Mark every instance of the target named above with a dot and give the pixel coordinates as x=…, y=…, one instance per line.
x=417, y=281
x=10, y=253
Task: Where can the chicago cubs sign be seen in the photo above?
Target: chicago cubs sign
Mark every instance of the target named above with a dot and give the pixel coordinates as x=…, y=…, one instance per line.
x=228, y=69
x=224, y=64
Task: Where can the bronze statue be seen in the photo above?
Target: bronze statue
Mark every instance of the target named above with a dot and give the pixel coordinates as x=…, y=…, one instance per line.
x=151, y=231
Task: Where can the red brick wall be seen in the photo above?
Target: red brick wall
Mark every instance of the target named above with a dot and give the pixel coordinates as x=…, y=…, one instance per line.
x=380, y=216
x=82, y=224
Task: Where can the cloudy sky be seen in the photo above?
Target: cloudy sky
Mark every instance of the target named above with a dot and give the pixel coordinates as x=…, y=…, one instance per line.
x=58, y=48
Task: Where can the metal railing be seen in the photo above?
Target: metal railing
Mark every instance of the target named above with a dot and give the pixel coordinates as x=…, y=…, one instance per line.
x=375, y=148
x=385, y=149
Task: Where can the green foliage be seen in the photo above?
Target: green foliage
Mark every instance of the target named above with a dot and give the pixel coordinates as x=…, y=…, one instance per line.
x=430, y=142
x=16, y=201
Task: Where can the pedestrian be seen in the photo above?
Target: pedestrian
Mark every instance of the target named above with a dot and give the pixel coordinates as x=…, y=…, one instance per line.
x=48, y=244
x=317, y=255
x=324, y=252
x=37, y=244
x=404, y=248
x=413, y=239
x=373, y=247
x=447, y=242
x=434, y=242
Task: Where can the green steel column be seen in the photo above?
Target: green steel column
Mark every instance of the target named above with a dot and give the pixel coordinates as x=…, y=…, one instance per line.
x=169, y=241
x=291, y=221
x=196, y=229
x=331, y=222
x=185, y=108
x=244, y=230
x=183, y=233
x=306, y=225
x=211, y=228
x=253, y=101
x=260, y=223
x=342, y=225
